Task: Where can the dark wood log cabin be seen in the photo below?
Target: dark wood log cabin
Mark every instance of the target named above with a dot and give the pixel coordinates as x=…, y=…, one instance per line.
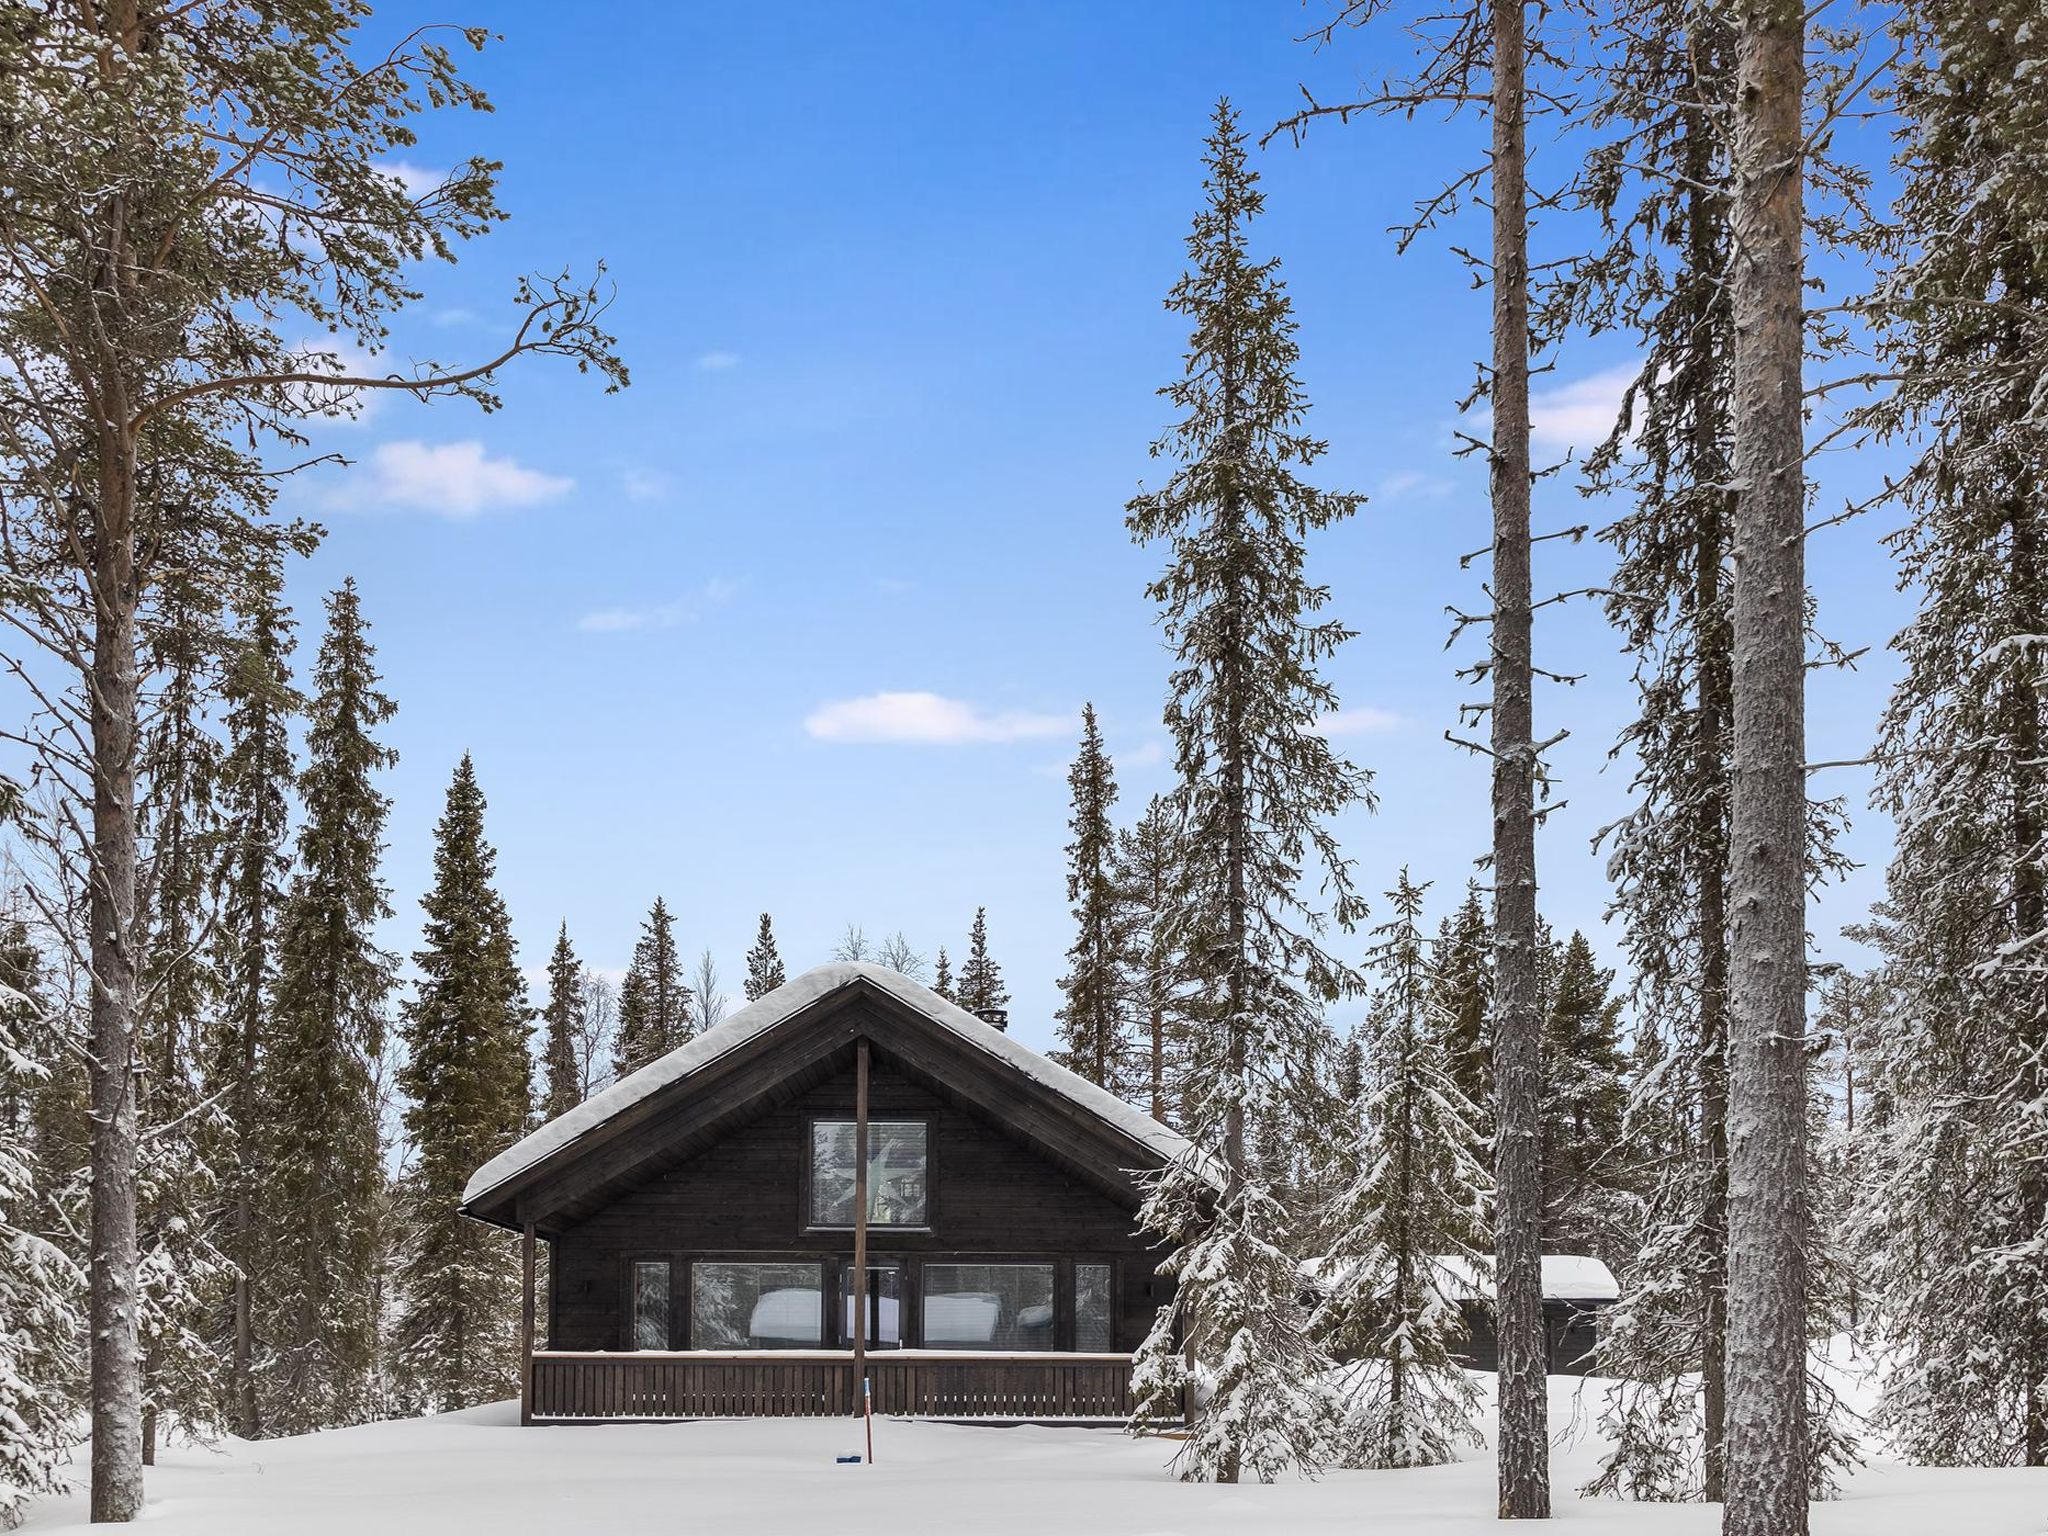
x=705, y=1221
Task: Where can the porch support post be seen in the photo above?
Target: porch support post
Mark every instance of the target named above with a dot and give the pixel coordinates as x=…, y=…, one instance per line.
x=526, y=1324
x=860, y=1221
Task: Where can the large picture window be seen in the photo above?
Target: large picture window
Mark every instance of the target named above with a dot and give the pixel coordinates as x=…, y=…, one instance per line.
x=756, y=1306
x=988, y=1306
x=898, y=1168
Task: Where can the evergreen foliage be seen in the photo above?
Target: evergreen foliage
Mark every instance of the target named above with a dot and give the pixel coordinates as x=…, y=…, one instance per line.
x=1952, y=1231
x=467, y=1075
x=1462, y=980
x=1257, y=783
x=322, y=1244
x=764, y=963
x=1585, y=1096
x=942, y=977
x=562, y=1088
x=655, y=1012
x=1093, y=1026
x=981, y=979
x=1418, y=1197
x=1149, y=864
x=257, y=779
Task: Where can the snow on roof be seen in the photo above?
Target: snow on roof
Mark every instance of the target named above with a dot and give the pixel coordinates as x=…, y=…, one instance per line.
x=762, y=1015
x=1566, y=1277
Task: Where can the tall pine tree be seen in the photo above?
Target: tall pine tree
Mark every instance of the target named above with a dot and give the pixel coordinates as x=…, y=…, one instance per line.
x=257, y=779
x=1257, y=784
x=1150, y=864
x=1584, y=1099
x=655, y=1012
x=1953, y=1228
x=764, y=963
x=981, y=979
x=562, y=1088
x=316, y=1287
x=1092, y=1022
x=467, y=1074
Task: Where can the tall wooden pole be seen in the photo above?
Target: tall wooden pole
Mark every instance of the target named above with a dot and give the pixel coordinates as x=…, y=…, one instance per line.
x=860, y=1217
x=526, y=1324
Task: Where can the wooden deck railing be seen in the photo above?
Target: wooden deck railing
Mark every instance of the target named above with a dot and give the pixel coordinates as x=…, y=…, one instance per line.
x=577, y=1387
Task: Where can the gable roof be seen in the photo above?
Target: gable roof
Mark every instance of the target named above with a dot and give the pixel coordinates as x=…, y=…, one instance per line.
x=562, y=1140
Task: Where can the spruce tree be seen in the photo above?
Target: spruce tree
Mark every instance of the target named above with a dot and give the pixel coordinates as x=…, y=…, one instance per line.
x=1461, y=974
x=562, y=1090
x=1953, y=1228
x=1409, y=1233
x=942, y=976
x=456, y=1341
x=42, y=1328
x=1257, y=783
x=316, y=1289
x=1584, y=1099
x=764, y=963
x=1150, y=864
x=1092, y=1022
x=981, y=979
x=655, y=1013
x=256, y=785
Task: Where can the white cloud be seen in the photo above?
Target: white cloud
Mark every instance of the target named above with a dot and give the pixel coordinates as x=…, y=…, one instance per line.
x=454, y=315
x=927, y=719
x=458, y=480
x=1143, y=755
x=688, y=609
x=1361, y=721
x=1580, y=414
x=640, y=484
x=1411, y=483
x=716, y=362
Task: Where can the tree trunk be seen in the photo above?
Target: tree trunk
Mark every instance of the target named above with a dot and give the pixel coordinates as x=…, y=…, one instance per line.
x=116, y=1368
x=1765, y=1437
x=1524, y=1455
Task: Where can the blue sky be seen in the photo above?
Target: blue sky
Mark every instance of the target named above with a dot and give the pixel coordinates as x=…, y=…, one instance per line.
x=889, y=282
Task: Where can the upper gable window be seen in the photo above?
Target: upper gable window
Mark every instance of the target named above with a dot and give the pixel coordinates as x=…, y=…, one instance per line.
x=899, y=1183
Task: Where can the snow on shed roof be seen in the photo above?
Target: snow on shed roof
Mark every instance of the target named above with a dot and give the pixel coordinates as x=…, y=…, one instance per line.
x=1566, y=1277
x=793, y=997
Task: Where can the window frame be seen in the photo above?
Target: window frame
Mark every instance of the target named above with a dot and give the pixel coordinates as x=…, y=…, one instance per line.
x=687, y=1328
x=629, y=1300
x=1072, y=1321
x=806, y=1171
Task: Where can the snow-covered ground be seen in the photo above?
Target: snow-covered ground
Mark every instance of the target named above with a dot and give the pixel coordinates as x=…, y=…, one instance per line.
x=480, y=1472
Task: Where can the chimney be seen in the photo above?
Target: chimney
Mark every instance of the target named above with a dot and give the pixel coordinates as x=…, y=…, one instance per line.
x=999, y=1018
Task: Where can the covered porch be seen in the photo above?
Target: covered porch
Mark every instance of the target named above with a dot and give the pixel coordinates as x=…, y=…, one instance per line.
x=572, y=1387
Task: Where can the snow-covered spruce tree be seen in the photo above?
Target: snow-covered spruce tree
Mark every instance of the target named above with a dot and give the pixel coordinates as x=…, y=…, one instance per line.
x=122, y=370
x=1148, y=866
x=655, y=1012
x=456, y=1340
x=764, y=963
x=42, y=1366
x=1257, y=784
x=1953, y=1231
x=562, y=1089
x=257, y=776
x=315, y=1290
x=1092, y=1017
x=1584, y=1098
x=1418, y=1196
x=981, y=979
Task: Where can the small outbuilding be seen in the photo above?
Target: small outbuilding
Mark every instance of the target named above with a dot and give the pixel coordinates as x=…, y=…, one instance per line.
x=849, y=1179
